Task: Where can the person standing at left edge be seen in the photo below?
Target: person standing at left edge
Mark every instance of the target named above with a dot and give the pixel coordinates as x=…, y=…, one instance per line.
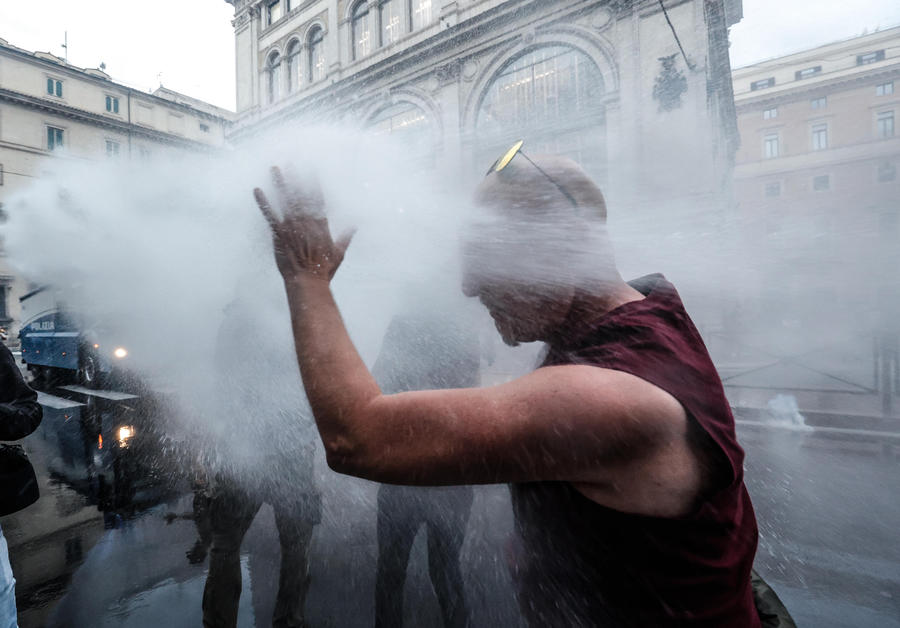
x=20, y=415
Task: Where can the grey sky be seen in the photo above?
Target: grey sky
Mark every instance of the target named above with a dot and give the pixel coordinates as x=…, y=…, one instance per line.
x=190, y=43
x=772, y=28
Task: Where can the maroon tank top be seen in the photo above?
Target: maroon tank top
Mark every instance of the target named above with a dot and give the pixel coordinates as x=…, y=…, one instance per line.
x=582, y=564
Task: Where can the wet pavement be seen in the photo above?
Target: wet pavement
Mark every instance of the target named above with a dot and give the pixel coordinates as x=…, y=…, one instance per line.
x=108, y=543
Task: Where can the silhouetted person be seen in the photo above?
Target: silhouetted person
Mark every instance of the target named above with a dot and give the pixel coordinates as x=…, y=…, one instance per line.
x=424, y=350
x=20, y=415
x=265, y=456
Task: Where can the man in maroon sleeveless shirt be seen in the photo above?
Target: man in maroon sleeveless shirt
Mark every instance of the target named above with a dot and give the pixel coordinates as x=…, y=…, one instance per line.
x=626, y=475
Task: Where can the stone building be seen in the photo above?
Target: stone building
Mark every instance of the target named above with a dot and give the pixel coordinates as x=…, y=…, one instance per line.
x=819, y=204
x=602, y=81
x=818, y=131
x=52, y=110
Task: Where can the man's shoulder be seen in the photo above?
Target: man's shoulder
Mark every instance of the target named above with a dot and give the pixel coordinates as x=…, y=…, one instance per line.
x=608, y=393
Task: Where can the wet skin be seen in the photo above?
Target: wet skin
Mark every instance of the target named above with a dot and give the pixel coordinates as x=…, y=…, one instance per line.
x=620, y=440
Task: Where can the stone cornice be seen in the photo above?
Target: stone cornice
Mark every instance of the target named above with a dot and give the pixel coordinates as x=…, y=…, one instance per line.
x=98, y=120
x=806, y=90
x=107, y=84
x=857, y=152
x=22, y=148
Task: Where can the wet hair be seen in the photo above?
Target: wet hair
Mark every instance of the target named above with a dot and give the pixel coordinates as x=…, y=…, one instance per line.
x=522, y=187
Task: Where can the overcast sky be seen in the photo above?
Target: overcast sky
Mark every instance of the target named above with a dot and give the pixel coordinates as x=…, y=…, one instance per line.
x=188, y=45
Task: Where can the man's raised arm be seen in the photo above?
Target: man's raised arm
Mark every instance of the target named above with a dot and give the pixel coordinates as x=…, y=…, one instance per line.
x=560, y=423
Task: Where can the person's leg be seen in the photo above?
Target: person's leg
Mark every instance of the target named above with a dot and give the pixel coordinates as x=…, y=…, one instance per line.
x=197, y=553
x=8, y=615
x=397, y=526
x=231, y=511
x=295, y=527
x=447, y=520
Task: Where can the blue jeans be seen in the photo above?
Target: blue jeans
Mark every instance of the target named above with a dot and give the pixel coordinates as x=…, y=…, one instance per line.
x=7, y=588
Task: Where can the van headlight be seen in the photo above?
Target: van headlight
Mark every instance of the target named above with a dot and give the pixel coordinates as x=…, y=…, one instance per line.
x=126, y=433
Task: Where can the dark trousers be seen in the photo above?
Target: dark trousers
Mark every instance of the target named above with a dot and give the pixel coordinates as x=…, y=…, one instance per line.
x=232, y=509
x=401, y=512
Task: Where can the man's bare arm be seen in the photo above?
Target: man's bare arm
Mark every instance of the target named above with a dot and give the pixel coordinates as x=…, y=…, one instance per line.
x=580, y=424
x=560, y=423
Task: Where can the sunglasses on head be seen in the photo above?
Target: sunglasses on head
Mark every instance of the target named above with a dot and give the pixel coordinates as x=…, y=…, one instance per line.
x=516, y=149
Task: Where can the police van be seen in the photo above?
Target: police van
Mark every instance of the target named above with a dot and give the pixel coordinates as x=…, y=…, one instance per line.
x=59, y=343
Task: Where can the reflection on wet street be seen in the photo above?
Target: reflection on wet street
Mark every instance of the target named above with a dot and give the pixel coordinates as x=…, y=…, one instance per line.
x=113, y=541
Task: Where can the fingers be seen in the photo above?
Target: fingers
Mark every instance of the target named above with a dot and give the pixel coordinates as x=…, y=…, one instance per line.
x=315, y=195
x=284, y=191
x=344, y=240
x=298, y=194
x=265, y=208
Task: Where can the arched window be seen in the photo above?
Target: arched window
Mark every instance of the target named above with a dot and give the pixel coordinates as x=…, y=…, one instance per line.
x=273, y=77
x=552, y=97
x=360, y=31
x=419, y=13
x=294, y=77
x=390, y=21
x=316, y=43
x=408, y=125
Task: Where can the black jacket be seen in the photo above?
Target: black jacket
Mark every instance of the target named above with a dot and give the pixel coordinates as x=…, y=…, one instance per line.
x=20, y=413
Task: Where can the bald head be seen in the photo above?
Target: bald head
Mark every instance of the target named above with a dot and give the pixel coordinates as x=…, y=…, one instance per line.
x=521, y=187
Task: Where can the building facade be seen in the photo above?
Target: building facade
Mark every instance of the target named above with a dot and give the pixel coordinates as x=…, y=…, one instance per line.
x=818, y=131
x=604, y=82
x=52, y=110
x=819, y=204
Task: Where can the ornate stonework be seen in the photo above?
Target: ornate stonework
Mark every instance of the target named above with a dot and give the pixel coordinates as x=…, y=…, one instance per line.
x=670, y=84
x=448, y=72
x=602, y=19
x=469, y=70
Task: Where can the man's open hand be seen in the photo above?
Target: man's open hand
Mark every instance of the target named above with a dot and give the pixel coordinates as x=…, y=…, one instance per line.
x=302, y=239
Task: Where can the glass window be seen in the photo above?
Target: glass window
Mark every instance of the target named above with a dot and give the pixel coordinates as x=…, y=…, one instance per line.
x=762, y=84
x=112, y=148
x=390, y=19
x=552, y=95
x=818, y=103
x=821, y=183
x=773, y=189
x=885, y=123
x=273, y=77
x=316, y=55
x=54, y=138
x=54, y=88
x=419, y=13
x=885, y=89
x=820, y=136
x=770, y=114
x=112, y=104
x=808, y=72
x=360, y=31
x=274, y=11
x=870, y=57
x=408, y=124
x=770, y=145
x=204, y=128
x=293, y=66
